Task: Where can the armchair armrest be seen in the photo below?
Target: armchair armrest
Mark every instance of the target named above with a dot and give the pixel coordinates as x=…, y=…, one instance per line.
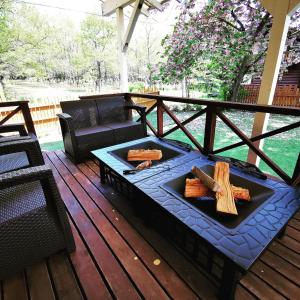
x=30, y=146
x=64, y=116
x=44, y=175
x=21, y=176
x=12, y=128
x=66, y=123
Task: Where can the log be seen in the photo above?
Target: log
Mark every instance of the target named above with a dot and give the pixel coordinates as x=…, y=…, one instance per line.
x=142, y=154
x=195, y=188
x=206, y=179
x=240, y=193
x=225, y=200
x=144, y=165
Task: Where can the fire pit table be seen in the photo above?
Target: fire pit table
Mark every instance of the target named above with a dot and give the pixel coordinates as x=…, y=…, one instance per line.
x=113, y=160
x=226, y=246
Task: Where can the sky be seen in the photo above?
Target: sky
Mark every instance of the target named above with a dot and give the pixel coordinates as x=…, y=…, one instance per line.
x=160, y=22
x=75, y=9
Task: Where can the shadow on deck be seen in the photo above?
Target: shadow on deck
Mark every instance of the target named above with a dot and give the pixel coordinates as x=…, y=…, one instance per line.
x=118, y=257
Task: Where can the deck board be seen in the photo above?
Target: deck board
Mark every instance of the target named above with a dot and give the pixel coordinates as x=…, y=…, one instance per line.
x=115, y=253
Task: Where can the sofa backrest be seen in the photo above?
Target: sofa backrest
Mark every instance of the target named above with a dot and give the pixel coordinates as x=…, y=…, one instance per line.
x=111, y=109
x=84, y=112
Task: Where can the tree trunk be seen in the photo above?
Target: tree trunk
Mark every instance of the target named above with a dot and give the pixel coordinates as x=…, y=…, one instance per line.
x=2, y=87
x=98, y=81
x=235, y=88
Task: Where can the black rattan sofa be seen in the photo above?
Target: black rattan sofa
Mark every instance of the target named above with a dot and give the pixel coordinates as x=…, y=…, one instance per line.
x=99, y=122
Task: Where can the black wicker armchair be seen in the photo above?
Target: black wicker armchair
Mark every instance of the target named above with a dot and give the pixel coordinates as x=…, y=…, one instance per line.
x=18, y=152
x=98, y=122
x=33, y=221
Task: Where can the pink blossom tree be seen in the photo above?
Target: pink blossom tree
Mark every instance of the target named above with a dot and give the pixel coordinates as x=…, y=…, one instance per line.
x=227, y=39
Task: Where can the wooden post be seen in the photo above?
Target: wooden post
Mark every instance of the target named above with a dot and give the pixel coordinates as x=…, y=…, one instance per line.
x=296, y=175
x=210, y=129
x=122, y=54
x=27, y=117
x=160, y=118
x=281, y=11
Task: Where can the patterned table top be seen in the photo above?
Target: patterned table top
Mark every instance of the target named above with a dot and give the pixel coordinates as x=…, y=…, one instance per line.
x=116, y=164
x=251, y=237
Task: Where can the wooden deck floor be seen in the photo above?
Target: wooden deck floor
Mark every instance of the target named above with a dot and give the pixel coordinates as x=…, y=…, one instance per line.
x=118, y=257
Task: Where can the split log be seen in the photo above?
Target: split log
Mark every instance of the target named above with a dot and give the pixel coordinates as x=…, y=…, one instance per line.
x=195, y=188
x=142, y=154
x=240, y=193
x=206, y=179
x=225, y=200
x=144, y=165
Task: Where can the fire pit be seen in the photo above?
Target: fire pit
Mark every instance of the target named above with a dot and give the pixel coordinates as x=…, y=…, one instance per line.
x=207, y=205
x=224, y=246
x=113, y=160
x=168, y=153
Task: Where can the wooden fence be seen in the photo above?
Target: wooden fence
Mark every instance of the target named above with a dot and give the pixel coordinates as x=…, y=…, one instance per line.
x=285, y=95
x=43, y=112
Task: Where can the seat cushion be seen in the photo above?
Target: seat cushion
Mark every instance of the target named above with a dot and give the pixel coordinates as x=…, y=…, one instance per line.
x=83, y=112
x=13, y=161
x=94, y=137
x=126, y=131
x=111, y=109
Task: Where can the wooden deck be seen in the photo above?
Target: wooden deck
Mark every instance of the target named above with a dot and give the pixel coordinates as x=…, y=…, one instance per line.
x=118, y=257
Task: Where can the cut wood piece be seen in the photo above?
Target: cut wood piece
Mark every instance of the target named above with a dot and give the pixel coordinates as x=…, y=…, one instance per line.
x=144, y=165
x=206, y=179
x=240, y=193
x=195, y=188
x=143, y=154
x=225, y=200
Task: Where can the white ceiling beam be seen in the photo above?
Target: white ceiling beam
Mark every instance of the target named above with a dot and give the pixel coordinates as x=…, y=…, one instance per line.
x=110, y=6
x=132, y=22
x=154, y=3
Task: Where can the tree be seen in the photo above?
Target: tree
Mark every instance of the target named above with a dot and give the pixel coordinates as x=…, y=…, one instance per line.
x=227, y=38
x=97, y=37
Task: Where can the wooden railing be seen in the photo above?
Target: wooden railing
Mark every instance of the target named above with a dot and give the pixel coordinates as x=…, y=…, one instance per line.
x=18, y=107
x=214, y=109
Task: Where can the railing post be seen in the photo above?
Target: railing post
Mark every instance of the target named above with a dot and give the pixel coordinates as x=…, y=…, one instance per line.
x=296, y=175
x=210, y=129
x=160, y=118
x=27, y=117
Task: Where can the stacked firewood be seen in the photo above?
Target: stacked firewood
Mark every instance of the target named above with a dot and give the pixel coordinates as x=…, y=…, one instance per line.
x=219, y=187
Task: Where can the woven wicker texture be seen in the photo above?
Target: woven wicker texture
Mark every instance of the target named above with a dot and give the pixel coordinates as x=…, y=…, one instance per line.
x=84, y=113
x=19, y=153
x=111, y=109
x=13, y=161
x=33, y=221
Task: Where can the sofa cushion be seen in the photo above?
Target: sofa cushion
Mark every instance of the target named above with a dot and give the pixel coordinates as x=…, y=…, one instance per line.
x=126, y=131
x=94, y=137
x=111, y=109
x=83, y=112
